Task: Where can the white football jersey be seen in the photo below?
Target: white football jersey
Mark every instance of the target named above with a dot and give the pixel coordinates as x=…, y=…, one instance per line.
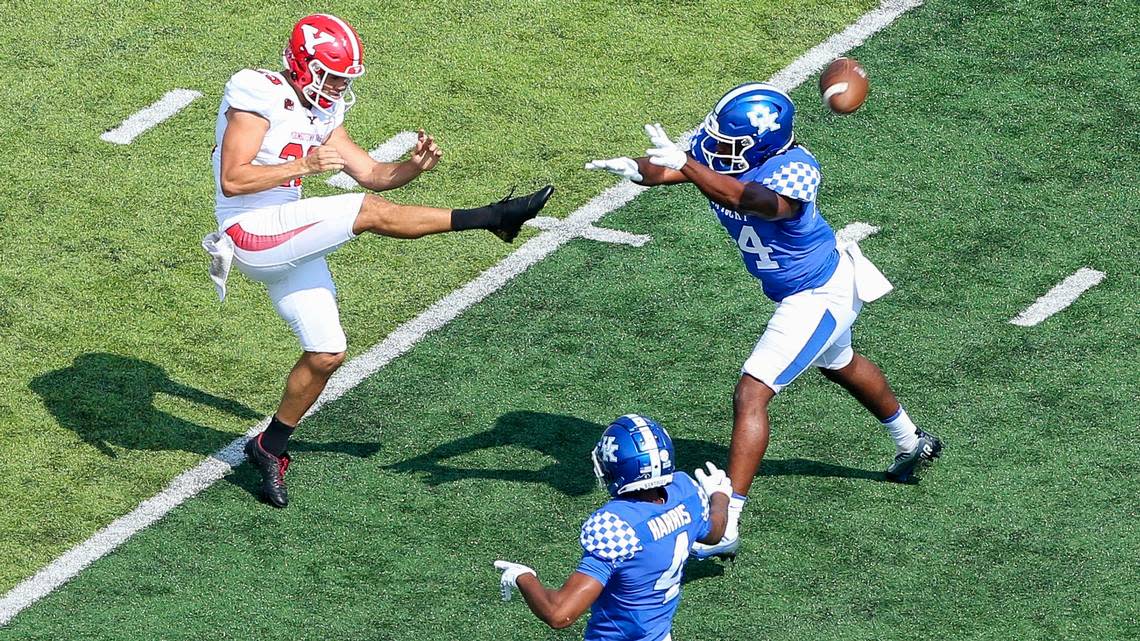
x=293, y=130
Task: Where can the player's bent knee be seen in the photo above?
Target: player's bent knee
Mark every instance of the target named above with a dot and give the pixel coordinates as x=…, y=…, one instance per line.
x=835, y=360
x=325, y=362
x=381, y=216
x=752, y=393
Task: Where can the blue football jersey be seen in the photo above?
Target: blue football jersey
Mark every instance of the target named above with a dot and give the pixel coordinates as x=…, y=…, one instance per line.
x=638, y=550
x=788, y=256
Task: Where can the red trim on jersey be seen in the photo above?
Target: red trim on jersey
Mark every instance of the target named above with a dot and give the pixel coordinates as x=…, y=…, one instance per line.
x=250, y=241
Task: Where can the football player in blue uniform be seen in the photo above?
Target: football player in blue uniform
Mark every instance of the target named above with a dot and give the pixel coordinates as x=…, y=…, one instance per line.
x=635, y=546
x=762, y=186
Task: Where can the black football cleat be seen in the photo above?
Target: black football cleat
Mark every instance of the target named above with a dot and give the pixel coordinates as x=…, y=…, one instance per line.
x=516, y=211
x=902, y=468
x=272, y=469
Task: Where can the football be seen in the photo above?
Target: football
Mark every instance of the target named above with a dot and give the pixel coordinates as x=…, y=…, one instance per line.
x=843, y=85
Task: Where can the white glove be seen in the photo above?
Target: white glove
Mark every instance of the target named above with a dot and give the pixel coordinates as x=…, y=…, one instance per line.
x=511, y=574
x=665, y=153
x=624, y=167
x=715, y=481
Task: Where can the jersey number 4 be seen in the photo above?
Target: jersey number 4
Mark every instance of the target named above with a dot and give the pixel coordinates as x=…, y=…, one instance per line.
x=750, y=243
x=293, y=151
x=670, y=581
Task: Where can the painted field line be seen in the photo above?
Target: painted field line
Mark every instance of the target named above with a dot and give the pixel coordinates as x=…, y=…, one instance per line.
x=855, y=232
x=403, y=338
x=171, y=103
x=599, y=234
x=1060, y=297
x=871, y=23
x=389, y=151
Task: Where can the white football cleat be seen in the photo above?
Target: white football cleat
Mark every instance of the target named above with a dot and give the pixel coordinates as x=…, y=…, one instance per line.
x=725, y=549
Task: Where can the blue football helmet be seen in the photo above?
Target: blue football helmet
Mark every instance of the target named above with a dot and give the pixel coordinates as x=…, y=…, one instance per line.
x=634, y=453
x=750, y=124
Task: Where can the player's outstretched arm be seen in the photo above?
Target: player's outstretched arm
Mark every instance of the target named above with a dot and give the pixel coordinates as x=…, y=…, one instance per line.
x=746, y=197
x=382, y=176
x=557, y=608
x=749, y=198
x=560, y=608
x=245, y=132
x=638, y=170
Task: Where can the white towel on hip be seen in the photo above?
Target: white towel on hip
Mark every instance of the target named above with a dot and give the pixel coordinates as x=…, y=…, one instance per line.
x=220, y=247
x=870, y=284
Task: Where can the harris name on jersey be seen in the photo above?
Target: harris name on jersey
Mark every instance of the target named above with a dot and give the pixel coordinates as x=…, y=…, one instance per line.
x=669, y=522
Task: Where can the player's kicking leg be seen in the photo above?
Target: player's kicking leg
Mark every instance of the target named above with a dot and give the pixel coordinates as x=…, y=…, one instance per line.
x=504, y=218
x=865, y=381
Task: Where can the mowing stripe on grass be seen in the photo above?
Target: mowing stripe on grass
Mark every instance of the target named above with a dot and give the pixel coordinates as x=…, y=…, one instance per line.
x=1060, y=297
x=388, y=151
x=403, y=338
x=171, y=103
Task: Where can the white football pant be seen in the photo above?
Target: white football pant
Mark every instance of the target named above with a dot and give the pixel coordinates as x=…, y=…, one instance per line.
x=811, y=328
x=284, y=247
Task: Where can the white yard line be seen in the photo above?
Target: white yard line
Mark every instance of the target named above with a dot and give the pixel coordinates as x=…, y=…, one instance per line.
x=578, y=224
x=1059, y=297
x=855, y=232
x=390, y=151
x=600, y=234
x=171, y=103
x=871, y=23
x=615, y=237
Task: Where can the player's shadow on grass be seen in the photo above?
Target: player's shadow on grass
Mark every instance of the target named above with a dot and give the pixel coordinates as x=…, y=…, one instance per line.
x=568, y=441
x=109, y=401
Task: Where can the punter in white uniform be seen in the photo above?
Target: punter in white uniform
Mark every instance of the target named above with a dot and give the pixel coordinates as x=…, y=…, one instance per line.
x=273, y=129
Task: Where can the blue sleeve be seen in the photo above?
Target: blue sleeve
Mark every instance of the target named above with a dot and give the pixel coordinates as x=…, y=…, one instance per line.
x=596, y=568
x=794, y=175
x=607, y=541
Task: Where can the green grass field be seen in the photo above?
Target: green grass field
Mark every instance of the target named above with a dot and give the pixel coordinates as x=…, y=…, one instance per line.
x=997, y=152
x=123, y=369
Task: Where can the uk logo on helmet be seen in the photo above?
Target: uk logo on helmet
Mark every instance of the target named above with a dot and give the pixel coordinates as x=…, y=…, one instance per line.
x=764, y=119
x=609, y=449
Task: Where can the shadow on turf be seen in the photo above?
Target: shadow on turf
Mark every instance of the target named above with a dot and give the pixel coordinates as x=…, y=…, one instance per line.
x=568, y=441
x=109, y=401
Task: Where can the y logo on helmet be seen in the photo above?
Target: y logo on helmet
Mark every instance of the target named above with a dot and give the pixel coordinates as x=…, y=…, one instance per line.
x=764, y=119
x=609, y=449
x=314, y=37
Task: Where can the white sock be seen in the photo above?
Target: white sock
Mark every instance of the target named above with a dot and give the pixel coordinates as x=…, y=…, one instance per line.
x=903, y=430
x=735, y=507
